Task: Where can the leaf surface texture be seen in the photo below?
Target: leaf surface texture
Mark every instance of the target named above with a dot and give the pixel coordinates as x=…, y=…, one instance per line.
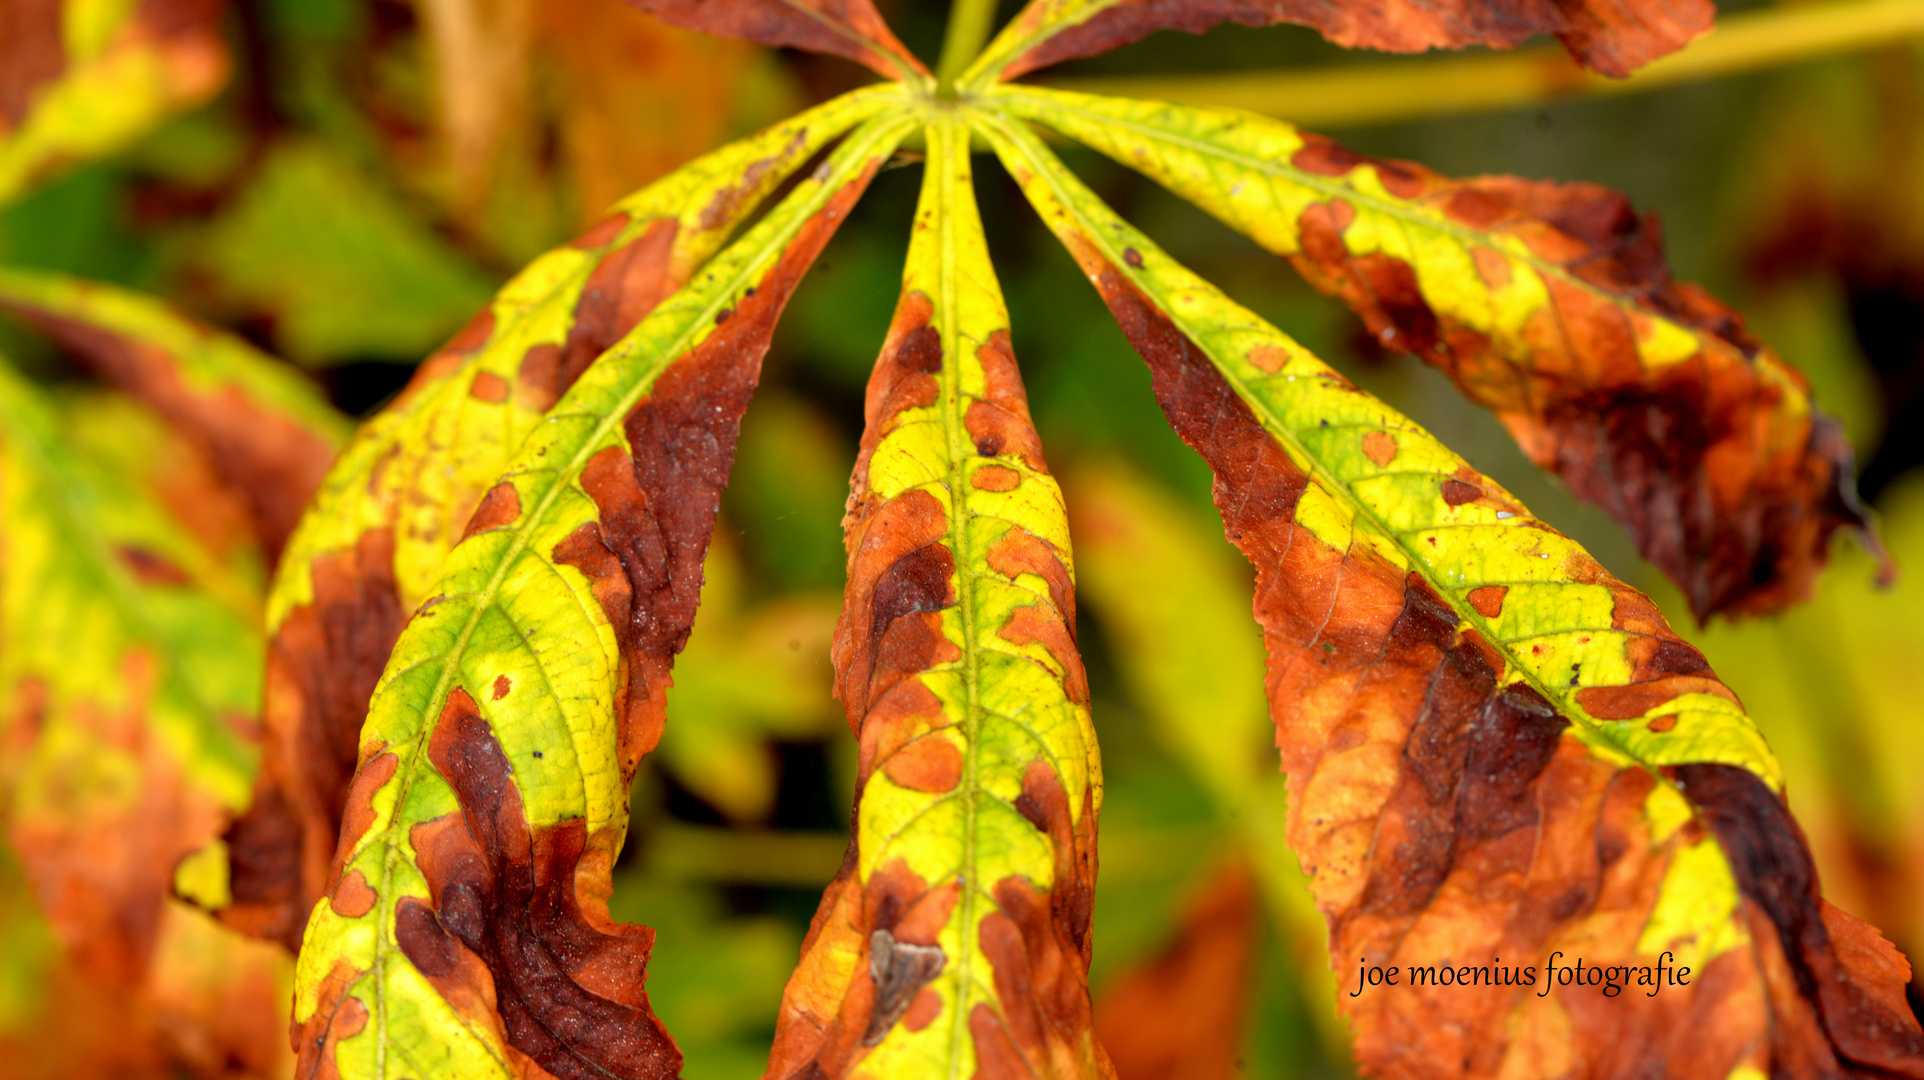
x=1549, y=304
x=955, y=940
x=465, y=929
x=1496, y=750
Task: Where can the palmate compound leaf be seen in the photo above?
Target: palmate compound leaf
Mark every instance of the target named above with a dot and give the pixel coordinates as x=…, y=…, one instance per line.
x=267, y=432
x=465, y=930
x=1548, y=303
x=846, y=28
x=79, y=80
x=127, y=680
x=370, y=548
x=1499, y=755
x=1610, y=36
x=955, y=940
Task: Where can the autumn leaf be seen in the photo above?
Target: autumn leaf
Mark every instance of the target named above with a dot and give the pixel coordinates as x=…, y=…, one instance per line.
x=1498, y=753
x=1612, y=38
x=465, y=926
x=399, y=497
x=1179, y=1016
x=129, y=679
x=1549, y=304
x=956, y=938
x=267, y=432
x=846, y=28
x=80, y=80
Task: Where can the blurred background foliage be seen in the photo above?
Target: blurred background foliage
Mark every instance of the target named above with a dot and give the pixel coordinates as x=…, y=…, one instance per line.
x=367, y=172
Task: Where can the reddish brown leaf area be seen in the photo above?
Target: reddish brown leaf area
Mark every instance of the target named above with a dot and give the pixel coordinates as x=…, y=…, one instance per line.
x=658, y=507
x=1179, y=1016
x=1501, y=839
x=321, y=669
x=273, y=464
x=33, y=52
x=508, y=922
x=846, y=28
x=1729, y=486
x=1611, y=37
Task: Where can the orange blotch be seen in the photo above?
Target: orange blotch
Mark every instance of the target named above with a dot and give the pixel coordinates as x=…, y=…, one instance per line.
x=1488, y=600
x=923, y=1010
x=488, y=386
x=1493, y=268
x=996, y=478
x=932, y=764
x=1380, y=447
x=1662, y=723
x=1268, y=358
x=502, y=684
x=501, y=506
x=353, y=897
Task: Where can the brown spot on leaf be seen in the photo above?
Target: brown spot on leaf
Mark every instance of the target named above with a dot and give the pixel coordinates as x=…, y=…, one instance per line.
x=338, y=1017
x=996, y=478
x=1268, y=358
x=502, y=684
x=499, y=508
x=1488, y=600
x=152, y=568
x=1663, y=723
x=353, y=897
x=487, y=386
x=1380, y=447
x=1456, y=492
x=931, y=763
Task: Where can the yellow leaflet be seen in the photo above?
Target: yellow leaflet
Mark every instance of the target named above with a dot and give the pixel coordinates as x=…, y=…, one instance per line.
x=506, y=612
x=1457, y=548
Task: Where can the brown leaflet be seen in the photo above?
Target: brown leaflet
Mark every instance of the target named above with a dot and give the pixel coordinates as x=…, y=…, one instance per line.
x=1727, y=485
x=1179, y=1015
x=1610, y=37
x=1446, y=818
x=846, y=28
x=268, y=460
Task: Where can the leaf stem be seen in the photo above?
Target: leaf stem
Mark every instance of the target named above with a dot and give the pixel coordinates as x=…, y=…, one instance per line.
x=969, y=24
x=1386, y=91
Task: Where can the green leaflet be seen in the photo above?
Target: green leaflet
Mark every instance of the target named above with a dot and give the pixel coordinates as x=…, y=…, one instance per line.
x=101, y=614
x=965, y=905
x=516, y=640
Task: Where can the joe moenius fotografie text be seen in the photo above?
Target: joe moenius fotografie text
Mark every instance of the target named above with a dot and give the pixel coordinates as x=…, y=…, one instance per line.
x=1611, y=979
